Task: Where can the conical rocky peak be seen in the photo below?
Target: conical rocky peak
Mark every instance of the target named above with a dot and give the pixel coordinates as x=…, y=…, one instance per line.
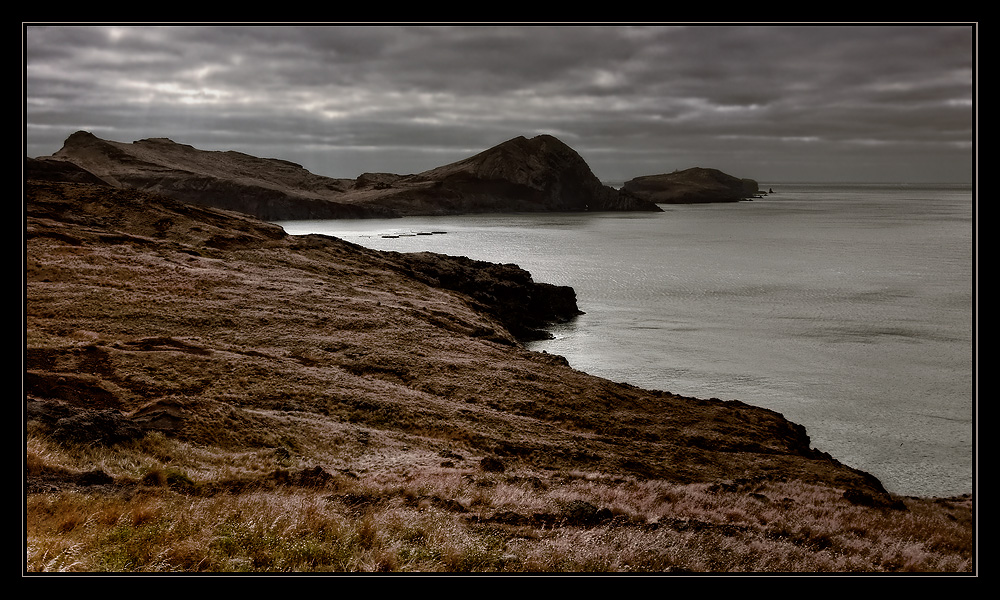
x=549, y=174
x=534, y=162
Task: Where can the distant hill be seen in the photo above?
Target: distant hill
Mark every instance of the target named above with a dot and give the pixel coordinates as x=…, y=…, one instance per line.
x=523, y=175
x=690, y=186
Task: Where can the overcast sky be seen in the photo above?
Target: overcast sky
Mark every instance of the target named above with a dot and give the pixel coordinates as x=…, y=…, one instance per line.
x=774, y=103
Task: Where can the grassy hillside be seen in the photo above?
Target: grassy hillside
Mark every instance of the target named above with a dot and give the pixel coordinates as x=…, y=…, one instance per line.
x=204, y=393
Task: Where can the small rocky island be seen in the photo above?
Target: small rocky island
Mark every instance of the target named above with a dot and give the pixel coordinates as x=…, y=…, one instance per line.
x=691, y=186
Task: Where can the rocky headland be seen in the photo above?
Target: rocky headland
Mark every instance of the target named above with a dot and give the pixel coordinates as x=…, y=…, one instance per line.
x=520, y=175
x=691, y=186
x=190, y=370
x=136, y=301
x=204, y=392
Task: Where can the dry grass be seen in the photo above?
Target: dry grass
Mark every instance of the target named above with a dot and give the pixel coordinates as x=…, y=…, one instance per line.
x=446, y=519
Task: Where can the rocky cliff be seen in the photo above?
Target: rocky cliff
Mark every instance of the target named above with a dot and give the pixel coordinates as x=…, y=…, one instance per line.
x=538, y=174
x=139, y=305
x=693, y=185
x=194, y=376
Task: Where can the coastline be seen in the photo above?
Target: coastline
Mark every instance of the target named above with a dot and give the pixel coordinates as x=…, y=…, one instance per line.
x=154, y=324
x=649, y=323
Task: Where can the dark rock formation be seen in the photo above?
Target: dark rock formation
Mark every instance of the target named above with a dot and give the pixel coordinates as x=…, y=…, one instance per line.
x=508, y=292
x=691, y=186
x=540, y=174
x=68, y=422
x=59, y=170
x=268, y=189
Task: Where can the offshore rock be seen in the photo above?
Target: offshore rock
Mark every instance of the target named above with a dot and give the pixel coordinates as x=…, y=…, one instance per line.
x=691, y=186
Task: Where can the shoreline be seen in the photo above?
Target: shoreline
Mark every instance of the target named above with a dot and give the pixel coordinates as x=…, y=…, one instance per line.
x=502, y=222
x=378, y=360
x=201, y=374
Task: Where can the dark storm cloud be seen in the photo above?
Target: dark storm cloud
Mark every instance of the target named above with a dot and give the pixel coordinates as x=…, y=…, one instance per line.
x=774, y=103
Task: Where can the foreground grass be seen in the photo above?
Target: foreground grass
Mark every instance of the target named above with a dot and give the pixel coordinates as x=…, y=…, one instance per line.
x=452, y=519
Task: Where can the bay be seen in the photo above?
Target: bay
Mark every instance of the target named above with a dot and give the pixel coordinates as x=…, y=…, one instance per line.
x=847, y=308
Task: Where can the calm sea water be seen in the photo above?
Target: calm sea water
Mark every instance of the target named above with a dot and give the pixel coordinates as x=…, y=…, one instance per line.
x=848, y=309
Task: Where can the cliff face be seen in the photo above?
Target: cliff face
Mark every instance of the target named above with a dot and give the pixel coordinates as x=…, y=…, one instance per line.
x=540, y=174
x=691, y=186
x=525, y=307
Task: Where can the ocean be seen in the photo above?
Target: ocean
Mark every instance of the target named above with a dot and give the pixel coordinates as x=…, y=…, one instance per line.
x=849, y=309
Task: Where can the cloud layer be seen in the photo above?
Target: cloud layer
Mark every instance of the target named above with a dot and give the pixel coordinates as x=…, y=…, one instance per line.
x=777, y=103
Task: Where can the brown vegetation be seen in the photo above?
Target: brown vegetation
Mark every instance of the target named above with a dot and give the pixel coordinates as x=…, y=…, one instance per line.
x=207, y=394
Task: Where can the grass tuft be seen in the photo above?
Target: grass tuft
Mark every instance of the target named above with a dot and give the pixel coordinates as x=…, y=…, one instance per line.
x=445, y=521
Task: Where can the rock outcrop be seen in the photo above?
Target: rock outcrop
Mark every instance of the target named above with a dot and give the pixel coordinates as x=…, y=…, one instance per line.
x=538, y=174
x=541, y=173
x=269, y=189
x=691, y=186
x=59, y=170
x=506, y=291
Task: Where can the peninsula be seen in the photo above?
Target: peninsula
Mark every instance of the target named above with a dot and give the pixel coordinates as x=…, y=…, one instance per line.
x=519, y=175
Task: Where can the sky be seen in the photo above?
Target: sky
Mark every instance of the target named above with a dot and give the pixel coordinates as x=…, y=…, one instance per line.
x=776, y=103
